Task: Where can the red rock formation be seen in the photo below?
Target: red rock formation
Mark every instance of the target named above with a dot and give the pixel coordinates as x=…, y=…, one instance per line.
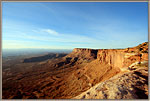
x=116, y=57
x=87, y=53
x=145, y=56
x=123, y=57
x=113, y=57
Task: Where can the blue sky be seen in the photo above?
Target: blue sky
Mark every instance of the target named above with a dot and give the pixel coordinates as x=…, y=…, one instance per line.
x=68, y=25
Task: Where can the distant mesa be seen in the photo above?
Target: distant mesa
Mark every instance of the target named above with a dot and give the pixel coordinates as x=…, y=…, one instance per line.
x=43, y=58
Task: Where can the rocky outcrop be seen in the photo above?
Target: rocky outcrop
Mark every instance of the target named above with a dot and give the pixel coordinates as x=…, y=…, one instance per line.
x=89, y=53
x=134, y=57
x=129, y=85
x=123, y=66
x=113, y=57
x=116, y=57
x=120, y=58
x=141, y=48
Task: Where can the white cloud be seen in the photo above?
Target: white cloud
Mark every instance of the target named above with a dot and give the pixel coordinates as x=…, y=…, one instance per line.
x=44, y=38
x=50, y=31
x=54, y=36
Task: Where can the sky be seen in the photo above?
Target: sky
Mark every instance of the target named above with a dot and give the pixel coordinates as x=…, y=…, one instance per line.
x=68, y=25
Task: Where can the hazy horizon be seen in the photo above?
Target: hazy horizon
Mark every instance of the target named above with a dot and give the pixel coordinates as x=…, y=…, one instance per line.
x=69, y=25
x=18, y=52
x=65, y=49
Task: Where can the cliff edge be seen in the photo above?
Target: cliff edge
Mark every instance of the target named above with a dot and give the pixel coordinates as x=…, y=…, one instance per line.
x=119, y=74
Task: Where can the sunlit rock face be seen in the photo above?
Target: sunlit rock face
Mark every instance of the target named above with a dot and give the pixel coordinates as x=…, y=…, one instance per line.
x=113, y=57
x=89, y=53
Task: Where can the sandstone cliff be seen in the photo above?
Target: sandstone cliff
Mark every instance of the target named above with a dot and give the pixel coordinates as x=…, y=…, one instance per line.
x=120, y=58
x=118, y=62
x=113, y=57
x=87, y=53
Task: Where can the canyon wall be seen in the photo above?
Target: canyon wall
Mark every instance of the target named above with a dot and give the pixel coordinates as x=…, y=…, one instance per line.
x=89, y=53
x=115, y=71
x=114, y=57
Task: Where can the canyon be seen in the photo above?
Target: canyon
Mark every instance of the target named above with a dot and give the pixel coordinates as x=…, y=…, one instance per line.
x=81, y=74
